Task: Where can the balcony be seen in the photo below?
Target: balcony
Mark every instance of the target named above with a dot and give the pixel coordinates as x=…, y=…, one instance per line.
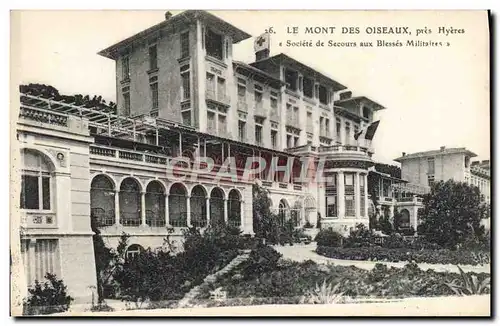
x=38, y=220
x=293, y=121
x=259, y=110
x=127, y=155
x=410, y=199
x=39, y=117
x=242, y=105
x=281, y=185
x=219, y=97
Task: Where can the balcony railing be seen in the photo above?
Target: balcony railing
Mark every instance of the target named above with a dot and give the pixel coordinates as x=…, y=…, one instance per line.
x=292, y=121
x=45, y=116
x=99, y=150
x=242, y=105
x=259, y=110
x=220, y=97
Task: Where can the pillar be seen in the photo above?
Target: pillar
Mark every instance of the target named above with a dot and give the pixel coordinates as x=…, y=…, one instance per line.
x=357, y=196
x=188, y=211
x=366, y=196
x=167, y=217
x=208, y=210
x=340, y=191
x=143, y=208
x=117, y=208
x=242, y=213
x=225, y=211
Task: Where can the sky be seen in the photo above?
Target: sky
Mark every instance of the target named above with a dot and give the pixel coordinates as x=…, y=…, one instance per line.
x=433, y=96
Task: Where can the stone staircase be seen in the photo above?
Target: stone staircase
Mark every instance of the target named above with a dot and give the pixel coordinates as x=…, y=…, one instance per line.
x=195, y=291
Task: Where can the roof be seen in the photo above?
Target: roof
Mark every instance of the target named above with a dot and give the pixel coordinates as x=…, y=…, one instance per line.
x=443, y=151
x=375, y=105
x=287, y=59
x=262, y=73
x=187, y=16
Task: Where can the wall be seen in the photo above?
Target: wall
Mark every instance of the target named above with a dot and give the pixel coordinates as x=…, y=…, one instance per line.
x=450, y=166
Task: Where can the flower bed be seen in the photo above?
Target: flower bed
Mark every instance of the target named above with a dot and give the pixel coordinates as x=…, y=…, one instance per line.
x=291, y=282
x=441, y=256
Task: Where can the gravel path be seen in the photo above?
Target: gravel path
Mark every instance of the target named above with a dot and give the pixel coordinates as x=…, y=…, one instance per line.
x=306, y=252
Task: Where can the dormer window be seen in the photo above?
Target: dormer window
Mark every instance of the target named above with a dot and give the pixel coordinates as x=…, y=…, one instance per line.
x=366, y=112
x=214, y=44
x=291, y=79
x=323, y=95
x=308, y=87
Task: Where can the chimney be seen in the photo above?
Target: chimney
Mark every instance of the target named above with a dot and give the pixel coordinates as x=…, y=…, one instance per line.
x=168, y=14
x=442, y=148
x=262, y=54
x=404, y=153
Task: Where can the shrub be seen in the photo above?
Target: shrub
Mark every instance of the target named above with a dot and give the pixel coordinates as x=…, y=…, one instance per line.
x=299, y=235
x=361, y=236
x=308, y=225
x=47, y=298
x=442, y=256
x=329, y=237
x=262, y=259
x=469, y=284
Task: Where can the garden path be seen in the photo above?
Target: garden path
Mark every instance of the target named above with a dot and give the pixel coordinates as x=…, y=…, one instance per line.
x=301, y=252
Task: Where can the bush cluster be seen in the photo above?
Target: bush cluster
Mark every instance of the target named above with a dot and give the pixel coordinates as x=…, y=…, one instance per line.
x=47, y=298
x=430, y=256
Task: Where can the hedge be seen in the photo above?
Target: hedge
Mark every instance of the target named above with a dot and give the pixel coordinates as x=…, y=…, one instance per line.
x=441, y=256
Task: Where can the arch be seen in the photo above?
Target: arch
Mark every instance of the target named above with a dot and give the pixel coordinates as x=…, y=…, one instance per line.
x=102, y=200
x=234, y=208
x=198, y=206
x=177, y=205
x=37, y=180
x=40, y=152
x=310, y=203
x=404, y=219
x=155, y=204
x=296, y=213
x=283, y=211
x=216, y=206
x=130, y=202
x=133, y=251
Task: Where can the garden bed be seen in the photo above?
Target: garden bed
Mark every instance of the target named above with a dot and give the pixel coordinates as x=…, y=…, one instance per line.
x=429, y=256
x=291, y=283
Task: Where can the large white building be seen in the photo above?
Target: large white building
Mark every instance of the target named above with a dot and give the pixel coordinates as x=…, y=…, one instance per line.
x=182, y=96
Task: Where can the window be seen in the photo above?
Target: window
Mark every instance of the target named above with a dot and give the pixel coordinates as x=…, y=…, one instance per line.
x=126, y=68
x=153, y=57
x=274, y=139
x=296, y=141
x=338, y=128
x=331, y=206
x=366, y=112
x=258, y=93
x=327, y=127
x=362, y=203
x=323, y=95
x=321, y=123
x=185, y=44
x=211, y=123
x=186, y=118
x=274, y=100
x=349, y=196
x=430, y=180
x=347, y=131
x=289, y=141
x=242, y=130
x=258, y=134
x=35, y=182
x=309, y=123
x=221, y=89
x=40, y=258
x=186, y=86
x=221, y=128
x=430, y=165
x=467, y=161
x=296, y=114
x=356, y=129
x=126, y=103
x=242, y=90
x=213, y=44
x=210, y=86
x=291, y=78
x=308, y=87
x=154, y=94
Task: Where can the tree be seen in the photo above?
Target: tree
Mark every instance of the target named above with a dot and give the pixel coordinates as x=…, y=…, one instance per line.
x=265, y=222
x=452, y=214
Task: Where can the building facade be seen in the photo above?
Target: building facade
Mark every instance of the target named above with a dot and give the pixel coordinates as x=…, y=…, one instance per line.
x=182, y=97
x=425, y=168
